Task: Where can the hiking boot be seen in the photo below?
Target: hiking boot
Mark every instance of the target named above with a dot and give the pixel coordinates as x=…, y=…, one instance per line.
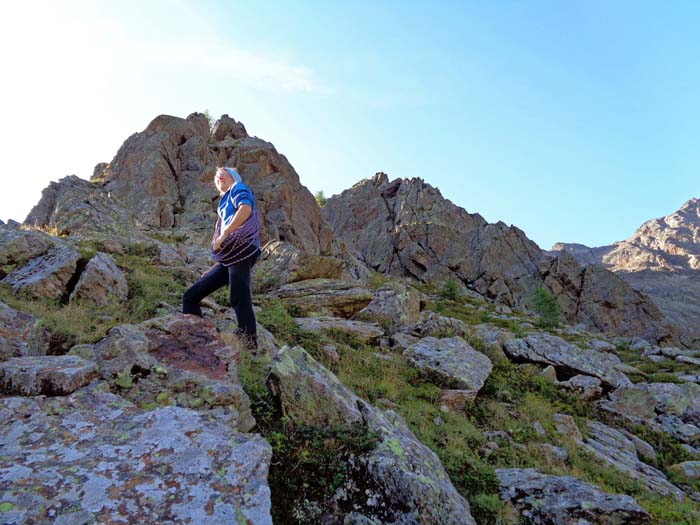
x=250, y=341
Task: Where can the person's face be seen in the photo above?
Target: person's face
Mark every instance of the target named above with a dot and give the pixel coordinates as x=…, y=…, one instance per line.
x=223, y=181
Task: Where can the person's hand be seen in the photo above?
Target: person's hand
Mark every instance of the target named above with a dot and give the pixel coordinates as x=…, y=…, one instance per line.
x=217, y=244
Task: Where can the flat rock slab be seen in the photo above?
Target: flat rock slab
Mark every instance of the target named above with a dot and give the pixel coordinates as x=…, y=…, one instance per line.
x=365, y=332
x=48, y=375
x=326, y=296
x=95, y=458
x=563, y=500
x=567, y=357
x=173, y=359
x=20, y=334
x=451, y=361
x=47, y=275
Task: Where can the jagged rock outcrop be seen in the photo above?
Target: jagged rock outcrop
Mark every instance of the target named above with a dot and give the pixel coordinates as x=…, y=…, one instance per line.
x=406, y=481
x=93, y=457
x=406, y=227
x=662, y=259
x=19, y=246
x=562, y=500
x=162, y=178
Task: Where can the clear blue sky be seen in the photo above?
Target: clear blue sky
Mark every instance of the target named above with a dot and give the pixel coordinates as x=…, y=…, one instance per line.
x=575, y=121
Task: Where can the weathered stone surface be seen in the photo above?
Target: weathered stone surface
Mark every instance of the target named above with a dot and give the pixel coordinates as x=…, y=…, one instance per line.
x=614, y=448
x=49, y=375
x=21, y=334
x=451, y=362
x=566, y=357
x=687, y=470
x=93, y=457
x=561, y=500
x=47, y=275
x=586, y=387
x=662, y=259
x=404, y=475
x=365, y=332
x=82, y=209
x=18, y=246
x=436, y=325
x=402, y=340
x=175, y=359
x=281, y=263
x=226, y=128
x=491, y=335
x=406, y=227
x=602, y=300
x=326, y=296
x=102, y=282
x=308, y=393
x=395, y=306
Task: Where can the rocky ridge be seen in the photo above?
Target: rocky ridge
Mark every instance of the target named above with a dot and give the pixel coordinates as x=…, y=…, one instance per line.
x=375, y=397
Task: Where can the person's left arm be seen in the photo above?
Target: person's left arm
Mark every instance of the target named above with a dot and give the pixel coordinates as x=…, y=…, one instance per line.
x=243, y=212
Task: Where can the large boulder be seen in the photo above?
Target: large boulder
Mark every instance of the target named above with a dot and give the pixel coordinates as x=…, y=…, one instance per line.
x=450, y=362
x=567, y=358
x=101, y=282
x=562, y=500
x=93, y=457
x=394, y=305
x=18, y=246
x=174, y=359
x=47, y=275
x=21, y=334
x=401, y=480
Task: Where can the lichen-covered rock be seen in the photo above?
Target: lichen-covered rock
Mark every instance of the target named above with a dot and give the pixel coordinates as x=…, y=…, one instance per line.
x=395, y=306
x=47, y=275
x=406, y=483
x=586, y=387
x=668, y=407
x=175, y=359
x=562, y=500
x=18, y=246
x=282, y=263
x=326, y=296
x=93, y=457
x=451, y=362
x=436, y=325
x=566, y=357
x=364, y=332
x=82, y=209
x=687, y=470
x=613, y=448
x=101, y=282
x=21, y=334
x=48, y=375
x=491, y=335
x=308, y=393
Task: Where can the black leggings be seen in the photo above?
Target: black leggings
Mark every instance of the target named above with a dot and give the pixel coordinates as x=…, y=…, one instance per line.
x=237, y=276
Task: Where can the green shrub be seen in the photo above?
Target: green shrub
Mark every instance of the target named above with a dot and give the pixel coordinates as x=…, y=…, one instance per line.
x=547, y=307
x=450, y=290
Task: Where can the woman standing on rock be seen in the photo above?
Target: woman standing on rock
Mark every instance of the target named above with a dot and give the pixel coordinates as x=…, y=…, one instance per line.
x=235, y=248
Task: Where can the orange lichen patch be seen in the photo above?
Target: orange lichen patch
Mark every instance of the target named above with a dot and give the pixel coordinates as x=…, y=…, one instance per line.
x=190, y=345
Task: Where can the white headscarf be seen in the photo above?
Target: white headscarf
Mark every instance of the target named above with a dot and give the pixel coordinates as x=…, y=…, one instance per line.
x=234, y=175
